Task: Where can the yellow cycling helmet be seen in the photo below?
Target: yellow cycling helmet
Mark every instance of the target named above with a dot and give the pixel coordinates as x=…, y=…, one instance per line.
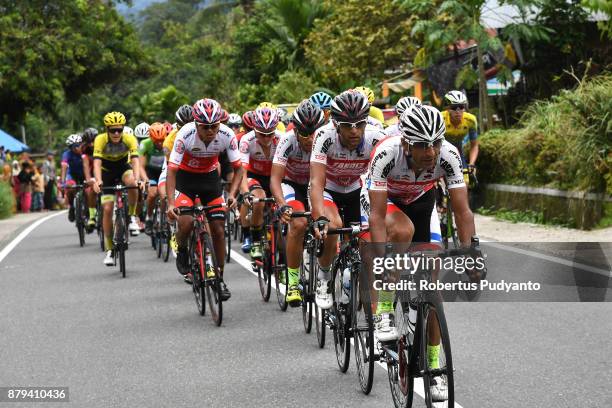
x=114, y=118
x=367, y=92
x=267, y=105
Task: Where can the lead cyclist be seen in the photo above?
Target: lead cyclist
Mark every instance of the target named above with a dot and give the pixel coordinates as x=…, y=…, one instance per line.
x=398, y=203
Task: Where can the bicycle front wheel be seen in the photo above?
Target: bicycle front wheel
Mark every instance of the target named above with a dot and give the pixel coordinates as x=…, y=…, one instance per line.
x=196, y=265
x=399, y=369
x=212, y=284
x=435, y=357
x=264, y=272
x=340, y=312
x=119, y=241
x=363, y=331
x=79, y=216
x=281, y=276
x=306, y=280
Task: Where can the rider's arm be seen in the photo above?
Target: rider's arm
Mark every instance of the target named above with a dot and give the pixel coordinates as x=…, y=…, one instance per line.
x=132, y=144
x=171, y=183
x=317, y=184
x=473, y=152
x=64, y=170
x=136, y=167
x=86, y=169
x=276, y=178
x=97, y=166
x=464, y=217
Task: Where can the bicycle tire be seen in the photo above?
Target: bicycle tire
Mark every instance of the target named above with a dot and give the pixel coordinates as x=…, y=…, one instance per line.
x=363, y=330
x=78, y=207
x=341, y=318
x=100, y=225
x=167, y=237
x=280, y=267
x=155, y=229
x=445, y=352
x=215, y=304
x=228, y=238
x=264, y=271
x=122, y=260
x=119, y=241
x=307, y=301
x=400, y=375
x=195, y=267
x=320, y=325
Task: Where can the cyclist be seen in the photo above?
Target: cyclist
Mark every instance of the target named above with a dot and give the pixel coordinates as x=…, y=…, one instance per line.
x=89, y=136
x=141, y=131
x=398, y=202
x=257, y=151
x=245, y=224
x=183, y=115
x=404, y=103
x=461, y=126
x=72, y=170
x=151, y=161
x=376, y=117
x=289, y=185
x=234, y=122
x=339, y=157
x=192, y=171
x=116, y=161
x=323, y=101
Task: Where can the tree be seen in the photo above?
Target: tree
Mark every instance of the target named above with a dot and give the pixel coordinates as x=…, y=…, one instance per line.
x=159, y=106
x=603, y=6
x=444, y=24
x=62, y=49
x=359, y=40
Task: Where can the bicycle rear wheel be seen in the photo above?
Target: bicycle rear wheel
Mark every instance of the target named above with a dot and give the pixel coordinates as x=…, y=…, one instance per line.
x=363, y=330
x=212, y=285
x=340, y=311
x=307, y=290
x=196, y=265
x=281, y=276
x=440, y=371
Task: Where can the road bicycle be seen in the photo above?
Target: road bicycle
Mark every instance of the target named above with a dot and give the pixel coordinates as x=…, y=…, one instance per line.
x=81, y=211
x=120, y=224
x=161, y=233
x=206, y=281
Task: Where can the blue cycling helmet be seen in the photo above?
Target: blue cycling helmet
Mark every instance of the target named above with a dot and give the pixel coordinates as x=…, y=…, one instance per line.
x=322, y=100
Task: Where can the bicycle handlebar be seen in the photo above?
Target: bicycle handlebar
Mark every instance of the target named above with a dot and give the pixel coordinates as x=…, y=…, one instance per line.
x=118, y=187
x=198, y=209
x=353, y=230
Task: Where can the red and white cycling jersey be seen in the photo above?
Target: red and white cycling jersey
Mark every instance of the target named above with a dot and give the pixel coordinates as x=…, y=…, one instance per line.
x=193, y=155
x=389, y=170
x=253, y=156
x=295, y=160
x=344, y=167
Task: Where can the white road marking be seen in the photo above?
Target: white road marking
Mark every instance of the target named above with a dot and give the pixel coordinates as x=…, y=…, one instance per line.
x=11, y=245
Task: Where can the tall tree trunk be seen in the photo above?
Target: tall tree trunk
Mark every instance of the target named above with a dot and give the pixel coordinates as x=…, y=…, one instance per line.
x=483, y=97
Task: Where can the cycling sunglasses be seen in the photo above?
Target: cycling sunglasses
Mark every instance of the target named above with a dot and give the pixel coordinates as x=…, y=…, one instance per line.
x=208, y=126
x=426, y=145
x=457, y=108
x=266, y=134
x=349, y=125
x=304, y=136
x=115, y=130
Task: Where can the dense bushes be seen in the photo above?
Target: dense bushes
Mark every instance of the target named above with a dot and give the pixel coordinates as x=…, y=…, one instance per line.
x=564, y=143
x=7, y=200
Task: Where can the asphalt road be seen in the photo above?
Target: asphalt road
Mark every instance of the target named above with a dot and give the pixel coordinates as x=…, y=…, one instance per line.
x=67, y=320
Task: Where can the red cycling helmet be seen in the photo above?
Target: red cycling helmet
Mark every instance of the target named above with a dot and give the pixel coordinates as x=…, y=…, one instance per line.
x=207, y=111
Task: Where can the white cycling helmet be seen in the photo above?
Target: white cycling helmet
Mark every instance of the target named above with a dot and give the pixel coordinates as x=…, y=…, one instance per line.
x=142, y=130
x=406, y=102
x=234, y=119
x=73, y=139
x=455, y=98
x=422, y=124
x=128, y=130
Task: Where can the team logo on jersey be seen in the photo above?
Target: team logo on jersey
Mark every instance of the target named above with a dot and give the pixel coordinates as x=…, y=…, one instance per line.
x=244, y=148
x=387, y=169
x=179, y=147
x=233, y=144
x=320, y=156
x=326, y=145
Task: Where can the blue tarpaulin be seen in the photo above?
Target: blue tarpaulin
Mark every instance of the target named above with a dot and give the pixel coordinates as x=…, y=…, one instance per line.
x=12, y=144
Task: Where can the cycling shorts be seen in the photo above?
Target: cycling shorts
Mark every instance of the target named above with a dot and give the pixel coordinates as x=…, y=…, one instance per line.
x=206, y=186
x=421, y=212
x=347, y=202
x=296, y=195
x=113, y=176
x=256, y=181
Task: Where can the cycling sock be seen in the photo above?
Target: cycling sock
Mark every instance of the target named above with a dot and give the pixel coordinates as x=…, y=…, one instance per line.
x=294, y=276
x=433, y=356
x=92, y=213
x=132, y=209
x=385, y=302
x=108, y=243
x=256, y=232
x=324, y=272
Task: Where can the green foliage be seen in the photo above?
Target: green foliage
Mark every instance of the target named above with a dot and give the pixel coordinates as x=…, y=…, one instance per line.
x=563, y=143
x=359, y=40
x=292, y=87
x=49, y=50
x=515, y=216
x=7, y=200
x=159, y=106
x=603, y=6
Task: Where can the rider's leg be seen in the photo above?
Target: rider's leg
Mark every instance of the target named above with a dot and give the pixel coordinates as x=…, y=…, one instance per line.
x=151, y=200
x=107, y=220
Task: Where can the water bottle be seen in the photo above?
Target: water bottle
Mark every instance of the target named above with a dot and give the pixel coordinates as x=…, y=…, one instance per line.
x=346, y=285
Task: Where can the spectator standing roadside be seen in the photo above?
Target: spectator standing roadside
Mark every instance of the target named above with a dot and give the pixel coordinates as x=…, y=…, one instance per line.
x=25, y=186
x=48, y=171
x=39, y=189
x=15, y=170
